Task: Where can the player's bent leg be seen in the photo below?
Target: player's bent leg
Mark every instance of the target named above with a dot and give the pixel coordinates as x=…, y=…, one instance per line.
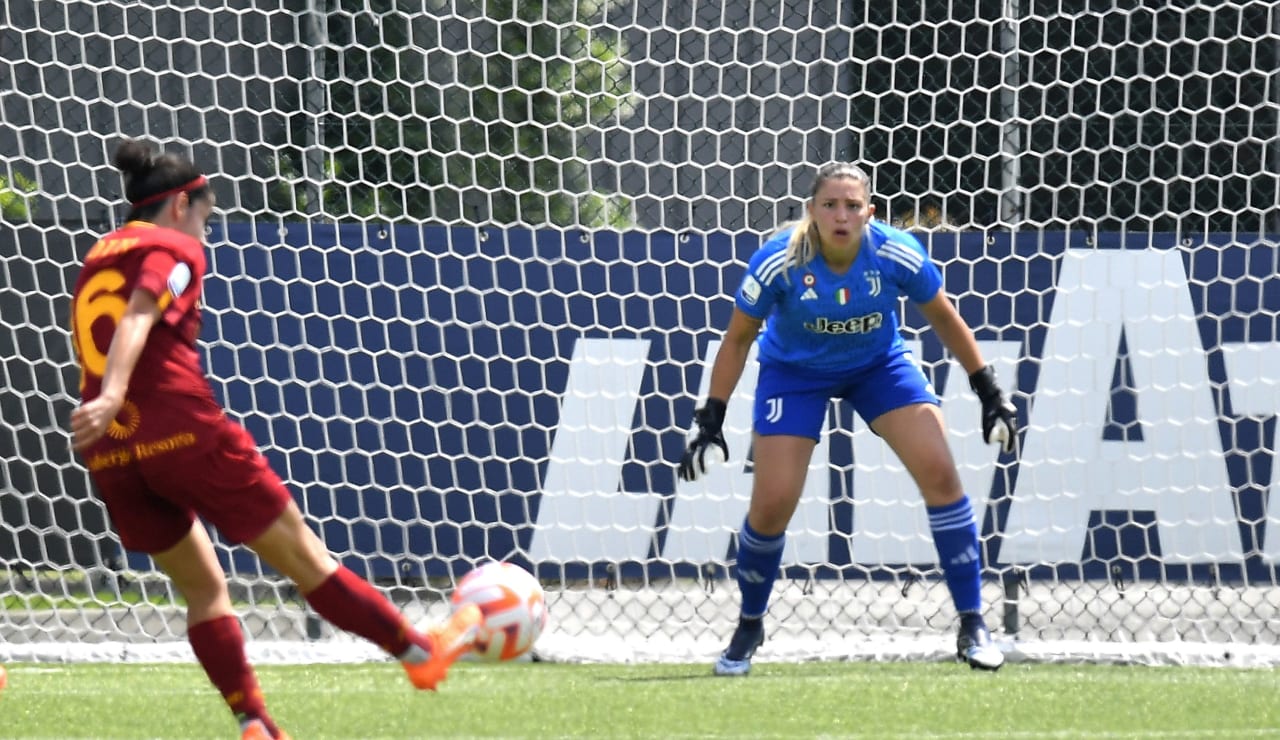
x=775, y=494
x=213, y=630
x=193, y=567
x=293, y=548
x=974, y=645
x=351, y=604
x=338, y=595
x=747, y=638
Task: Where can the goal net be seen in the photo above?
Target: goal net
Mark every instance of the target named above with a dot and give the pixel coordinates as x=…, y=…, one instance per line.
x=472, y=262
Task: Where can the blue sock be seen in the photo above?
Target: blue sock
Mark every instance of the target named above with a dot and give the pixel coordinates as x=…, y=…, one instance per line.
x=955, y=536
x=758, y=560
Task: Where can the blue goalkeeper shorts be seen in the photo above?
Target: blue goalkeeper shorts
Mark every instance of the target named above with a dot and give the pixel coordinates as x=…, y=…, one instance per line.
x=793, y=400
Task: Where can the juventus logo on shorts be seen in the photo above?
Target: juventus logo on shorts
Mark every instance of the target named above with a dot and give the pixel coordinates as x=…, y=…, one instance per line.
x=773, y=410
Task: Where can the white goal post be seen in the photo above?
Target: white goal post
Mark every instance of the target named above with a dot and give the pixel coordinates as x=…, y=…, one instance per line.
x=473, y=260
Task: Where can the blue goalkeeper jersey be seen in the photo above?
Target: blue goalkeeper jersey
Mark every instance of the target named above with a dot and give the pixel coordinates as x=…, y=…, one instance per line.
x=826, y=322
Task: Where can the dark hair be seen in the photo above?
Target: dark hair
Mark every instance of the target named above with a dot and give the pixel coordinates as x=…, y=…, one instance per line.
x=150, y=176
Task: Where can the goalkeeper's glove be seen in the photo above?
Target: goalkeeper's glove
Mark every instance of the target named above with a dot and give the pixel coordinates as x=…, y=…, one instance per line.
x=706, y=436
x=999, y=417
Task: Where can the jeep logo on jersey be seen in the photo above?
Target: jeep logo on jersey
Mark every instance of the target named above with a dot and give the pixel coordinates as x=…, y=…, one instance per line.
x=855, y=325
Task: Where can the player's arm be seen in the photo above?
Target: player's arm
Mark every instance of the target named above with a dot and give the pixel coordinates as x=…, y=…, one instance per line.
x=726, y=371
x=90, y=421
x=708, y=431
x=999, y=418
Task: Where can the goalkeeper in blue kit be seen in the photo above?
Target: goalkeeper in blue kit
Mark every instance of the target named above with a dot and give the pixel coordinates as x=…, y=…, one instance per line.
x=820, y=298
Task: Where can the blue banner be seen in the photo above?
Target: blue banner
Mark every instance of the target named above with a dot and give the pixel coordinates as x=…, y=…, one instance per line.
x=409, y=381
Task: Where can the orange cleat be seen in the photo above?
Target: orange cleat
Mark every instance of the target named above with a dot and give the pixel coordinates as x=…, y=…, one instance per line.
x=446, y=643
x=255, y=730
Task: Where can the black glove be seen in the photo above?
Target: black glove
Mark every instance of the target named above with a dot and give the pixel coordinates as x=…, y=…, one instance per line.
x=999, y=417
x=708, y=421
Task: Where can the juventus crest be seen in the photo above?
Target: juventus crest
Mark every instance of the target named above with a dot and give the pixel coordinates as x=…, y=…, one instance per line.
x=873, y=279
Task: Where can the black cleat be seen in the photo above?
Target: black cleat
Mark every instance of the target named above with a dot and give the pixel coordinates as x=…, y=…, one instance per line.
x=736, y=659
x=974, y=645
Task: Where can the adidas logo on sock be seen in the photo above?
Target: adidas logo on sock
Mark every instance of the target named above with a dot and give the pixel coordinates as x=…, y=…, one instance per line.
x=970, y=555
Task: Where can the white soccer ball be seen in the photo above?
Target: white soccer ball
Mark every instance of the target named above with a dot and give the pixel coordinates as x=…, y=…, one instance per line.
x=514, y=608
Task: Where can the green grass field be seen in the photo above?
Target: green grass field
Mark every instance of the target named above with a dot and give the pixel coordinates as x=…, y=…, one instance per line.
x=538, y=700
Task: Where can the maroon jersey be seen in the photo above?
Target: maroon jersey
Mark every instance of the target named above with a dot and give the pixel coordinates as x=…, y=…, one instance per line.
x=170, y=453
x=170, y=266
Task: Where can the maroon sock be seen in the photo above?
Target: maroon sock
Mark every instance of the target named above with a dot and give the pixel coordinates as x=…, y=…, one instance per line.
x=219, y=646
x=350, y=603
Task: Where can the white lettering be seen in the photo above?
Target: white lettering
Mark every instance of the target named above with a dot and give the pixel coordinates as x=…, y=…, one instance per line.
x=1255, y=392
x=582, y=514
x=1068, y=470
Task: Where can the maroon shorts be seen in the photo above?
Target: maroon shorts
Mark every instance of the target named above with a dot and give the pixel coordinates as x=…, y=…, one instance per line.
x=183, y=458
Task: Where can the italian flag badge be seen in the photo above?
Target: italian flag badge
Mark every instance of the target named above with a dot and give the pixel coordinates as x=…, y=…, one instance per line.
x=842, y=296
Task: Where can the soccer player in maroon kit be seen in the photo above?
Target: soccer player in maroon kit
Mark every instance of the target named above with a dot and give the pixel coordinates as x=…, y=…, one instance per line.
x=163, y=455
